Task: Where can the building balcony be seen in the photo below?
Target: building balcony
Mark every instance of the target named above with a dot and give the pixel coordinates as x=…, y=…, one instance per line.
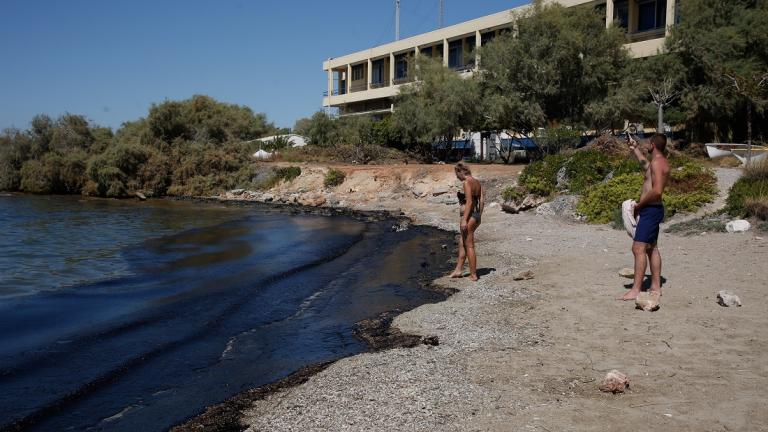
x=379, y=84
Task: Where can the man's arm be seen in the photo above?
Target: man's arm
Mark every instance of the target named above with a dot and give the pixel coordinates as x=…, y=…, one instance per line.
x=637, y=153
x=657, y=187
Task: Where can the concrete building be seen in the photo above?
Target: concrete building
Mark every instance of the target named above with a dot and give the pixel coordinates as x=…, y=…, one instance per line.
x=365, y=82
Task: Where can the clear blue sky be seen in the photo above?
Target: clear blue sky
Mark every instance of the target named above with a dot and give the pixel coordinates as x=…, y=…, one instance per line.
x=110, y=60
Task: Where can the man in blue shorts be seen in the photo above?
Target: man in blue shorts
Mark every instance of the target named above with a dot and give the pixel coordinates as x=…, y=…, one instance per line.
x=650, y=210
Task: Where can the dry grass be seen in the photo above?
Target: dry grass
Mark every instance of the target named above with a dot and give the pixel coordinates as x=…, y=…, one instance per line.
x=757, y=170
x=757, y=207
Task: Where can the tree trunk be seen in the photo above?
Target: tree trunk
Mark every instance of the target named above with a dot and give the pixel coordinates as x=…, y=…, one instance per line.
x=660, y=123
x=749, y=132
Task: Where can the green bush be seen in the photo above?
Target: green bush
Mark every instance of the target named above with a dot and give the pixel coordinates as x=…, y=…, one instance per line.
x=587, y=168
x=513, y=193
x=333, y=178
x=742, y=191
x=287, y=173
x=540, y=177
x=599, y=203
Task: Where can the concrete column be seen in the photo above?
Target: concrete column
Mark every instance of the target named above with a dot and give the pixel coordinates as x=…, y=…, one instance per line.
x=391, y=69
x=349, y=78
x=670, y=16
x=330, y=84
x=608, y=13
x=445, y=52
x=370, y=74
x=478, y=44
x=632, y=16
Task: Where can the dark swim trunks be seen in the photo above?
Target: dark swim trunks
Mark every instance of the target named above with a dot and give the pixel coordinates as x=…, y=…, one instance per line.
x=647, y=230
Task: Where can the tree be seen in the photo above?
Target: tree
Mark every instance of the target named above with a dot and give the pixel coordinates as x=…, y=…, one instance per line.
x=435, y=107
x=714, y=43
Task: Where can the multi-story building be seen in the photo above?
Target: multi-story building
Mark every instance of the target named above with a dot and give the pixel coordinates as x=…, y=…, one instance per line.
x=367, y=81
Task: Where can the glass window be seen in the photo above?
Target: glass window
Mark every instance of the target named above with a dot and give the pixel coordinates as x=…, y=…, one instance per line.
x=454, y=54
x=357, y=72
x=401, y=66
x=621, y=13
x=377, y=71
x=487, y=37
x=651, y=15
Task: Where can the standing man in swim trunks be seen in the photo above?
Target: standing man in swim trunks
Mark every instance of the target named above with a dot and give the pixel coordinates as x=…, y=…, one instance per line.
x=471, y=204
x=650, y=209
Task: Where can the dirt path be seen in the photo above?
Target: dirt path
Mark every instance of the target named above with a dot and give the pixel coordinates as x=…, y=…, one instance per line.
x=528, y=355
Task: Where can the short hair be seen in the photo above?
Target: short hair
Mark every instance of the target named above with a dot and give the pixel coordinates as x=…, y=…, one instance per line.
x=463, y=168
x=659, y=141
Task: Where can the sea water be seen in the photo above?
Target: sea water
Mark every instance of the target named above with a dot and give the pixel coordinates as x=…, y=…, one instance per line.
x=126, y=316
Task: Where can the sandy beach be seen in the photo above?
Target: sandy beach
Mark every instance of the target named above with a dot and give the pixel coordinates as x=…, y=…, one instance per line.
x=529, y=354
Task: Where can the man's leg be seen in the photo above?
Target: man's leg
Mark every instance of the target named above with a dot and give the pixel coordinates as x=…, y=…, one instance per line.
x=654, y=257
x=639, y=251
x=462, y=257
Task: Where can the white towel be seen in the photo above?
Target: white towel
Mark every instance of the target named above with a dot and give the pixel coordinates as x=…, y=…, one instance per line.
x=627, y=215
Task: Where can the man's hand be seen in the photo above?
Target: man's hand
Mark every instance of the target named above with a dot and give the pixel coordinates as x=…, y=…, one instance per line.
x=635, y=210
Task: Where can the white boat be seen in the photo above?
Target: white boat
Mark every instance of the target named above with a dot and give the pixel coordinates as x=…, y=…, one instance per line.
x=758, y=153
x=716, y=150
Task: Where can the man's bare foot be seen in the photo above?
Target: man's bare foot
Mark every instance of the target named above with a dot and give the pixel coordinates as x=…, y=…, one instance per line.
x=655, y=291
x=629, y=295
x=473, y=278
x=455, y=274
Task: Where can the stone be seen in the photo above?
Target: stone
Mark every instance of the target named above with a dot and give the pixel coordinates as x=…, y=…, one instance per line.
x=614, y=382
x=268, y=197
x=647, y=301
x=420, y=190
x=523, y=275
x=562, y=178
x=562, y=206
x=727, y=299
x=627, y=273
x=237, y=192
x=439, y=190
x=141, y=196
x=493, y=205
x=529, y=202
x=738, y=225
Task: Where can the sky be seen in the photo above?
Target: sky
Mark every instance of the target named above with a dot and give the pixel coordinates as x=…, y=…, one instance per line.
x=111, y=60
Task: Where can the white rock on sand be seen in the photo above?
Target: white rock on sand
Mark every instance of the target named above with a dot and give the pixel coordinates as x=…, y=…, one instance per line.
x=647, y=301
x=614, y=382
x=627, y=273
x=728, y=299
x=738, y=225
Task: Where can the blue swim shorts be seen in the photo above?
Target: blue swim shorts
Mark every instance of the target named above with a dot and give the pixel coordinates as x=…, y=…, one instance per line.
x=647, y=230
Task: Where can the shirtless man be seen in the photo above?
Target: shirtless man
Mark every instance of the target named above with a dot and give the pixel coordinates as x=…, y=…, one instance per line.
x=471, y=204
x=650, y=209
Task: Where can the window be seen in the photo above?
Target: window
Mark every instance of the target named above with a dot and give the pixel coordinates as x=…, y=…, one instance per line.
x=427, y=51
x=487, y=37
x=455, y=53
x=377, y=71
x=621, y=13
x=357, y=72
x=651, y=14
x=401, y=66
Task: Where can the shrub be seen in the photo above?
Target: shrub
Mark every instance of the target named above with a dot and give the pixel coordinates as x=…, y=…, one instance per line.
x=587, y=168
x=540, y=177
x=287, y=173
x=513, y=193
x=757, y=207
x=757, y=170
x=599, y=203
x=744, y=189
x=333, y=178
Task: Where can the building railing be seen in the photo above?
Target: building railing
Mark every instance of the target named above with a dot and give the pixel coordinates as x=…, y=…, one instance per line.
x=646, y=34
x=336, y=92
x=358, y=87
x=402, y=80
x=379, y=84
